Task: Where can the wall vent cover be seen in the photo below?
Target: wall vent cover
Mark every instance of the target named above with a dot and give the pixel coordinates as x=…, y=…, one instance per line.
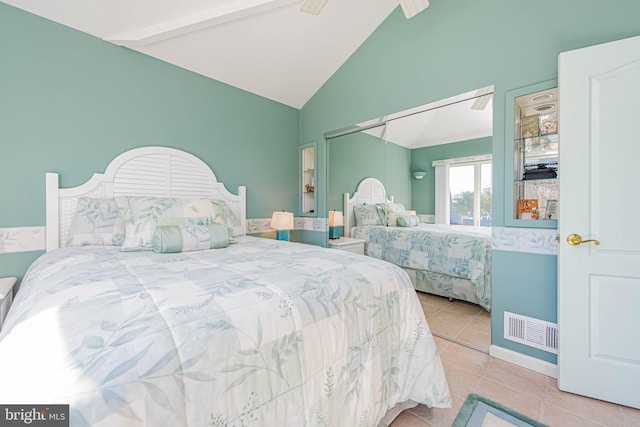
x=532, y=332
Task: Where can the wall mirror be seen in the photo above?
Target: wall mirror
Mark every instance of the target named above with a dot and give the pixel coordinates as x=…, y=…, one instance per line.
x=403, y=151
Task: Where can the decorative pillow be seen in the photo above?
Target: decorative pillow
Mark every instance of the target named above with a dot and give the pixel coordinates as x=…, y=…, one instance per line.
x=96, y=222
x=391, y=212
x=234, y=225
x=184, y=238
x=407, y=220
x=142, y=214
x=367, y=215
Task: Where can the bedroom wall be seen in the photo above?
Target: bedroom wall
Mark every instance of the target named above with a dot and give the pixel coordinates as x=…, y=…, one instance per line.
x=460, y=45
x=398, y=181
x=358, y=155
x=70, y=103
x=423, y=190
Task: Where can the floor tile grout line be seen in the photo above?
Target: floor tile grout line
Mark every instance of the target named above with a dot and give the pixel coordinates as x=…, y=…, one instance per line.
x=562, y=408
x=464, y=328
x=433, y=314
x=543, y=398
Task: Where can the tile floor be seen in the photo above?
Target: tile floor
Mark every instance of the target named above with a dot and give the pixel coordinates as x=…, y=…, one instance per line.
x=461, y=320
x=528, y=392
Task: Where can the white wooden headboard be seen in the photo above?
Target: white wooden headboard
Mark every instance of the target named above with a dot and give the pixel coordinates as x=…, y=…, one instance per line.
x=147, y=171
x=369, y=191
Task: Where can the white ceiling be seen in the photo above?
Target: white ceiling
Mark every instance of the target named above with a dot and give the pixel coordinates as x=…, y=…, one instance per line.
x=267, y=47
x=458, y=118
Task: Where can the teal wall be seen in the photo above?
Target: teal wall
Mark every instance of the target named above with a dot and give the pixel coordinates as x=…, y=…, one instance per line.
x=351, y=158
x=460, y=45
x=359, y=155
x=423, y=190
x=70, y=103
x=398, y=180
x=528, y=287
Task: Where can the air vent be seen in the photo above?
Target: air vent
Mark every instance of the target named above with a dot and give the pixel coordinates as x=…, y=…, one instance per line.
x=532, y=332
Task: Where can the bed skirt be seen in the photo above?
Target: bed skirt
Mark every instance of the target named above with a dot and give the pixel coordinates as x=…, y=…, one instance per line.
x=447, y=286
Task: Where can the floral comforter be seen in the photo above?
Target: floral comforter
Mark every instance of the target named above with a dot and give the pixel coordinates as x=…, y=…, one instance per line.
x=456, y=251
x=260, y=333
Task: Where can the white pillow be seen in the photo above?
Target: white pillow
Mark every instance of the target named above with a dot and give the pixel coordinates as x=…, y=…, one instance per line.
x=391, y=212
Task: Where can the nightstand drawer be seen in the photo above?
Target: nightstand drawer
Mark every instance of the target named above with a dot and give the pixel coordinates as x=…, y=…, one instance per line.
x=348, y=244
x=6, y=296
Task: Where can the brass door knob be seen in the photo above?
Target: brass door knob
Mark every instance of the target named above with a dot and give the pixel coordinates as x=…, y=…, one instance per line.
x=576, y=239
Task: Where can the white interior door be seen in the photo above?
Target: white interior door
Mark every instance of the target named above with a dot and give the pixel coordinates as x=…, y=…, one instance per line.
x=599, y=285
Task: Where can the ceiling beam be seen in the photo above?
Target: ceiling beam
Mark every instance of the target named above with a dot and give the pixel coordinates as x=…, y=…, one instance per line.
x=197, y=21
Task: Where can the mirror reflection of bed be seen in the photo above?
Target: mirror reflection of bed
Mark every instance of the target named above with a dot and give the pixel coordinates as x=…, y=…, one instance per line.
x=432, y=162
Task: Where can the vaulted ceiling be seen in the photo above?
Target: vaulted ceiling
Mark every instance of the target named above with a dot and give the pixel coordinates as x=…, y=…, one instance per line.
x=266, y=47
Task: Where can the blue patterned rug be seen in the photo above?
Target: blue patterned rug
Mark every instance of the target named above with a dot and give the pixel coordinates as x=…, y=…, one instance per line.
x=478, y=411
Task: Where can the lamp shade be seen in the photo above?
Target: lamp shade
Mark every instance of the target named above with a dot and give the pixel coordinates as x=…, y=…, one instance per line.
x=282, y=220
x=419, y=174
x=411, y=212
x=335, y=219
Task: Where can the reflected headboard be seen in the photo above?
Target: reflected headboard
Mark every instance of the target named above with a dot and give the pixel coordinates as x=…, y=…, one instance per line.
x=147, y=171
x=369, y=191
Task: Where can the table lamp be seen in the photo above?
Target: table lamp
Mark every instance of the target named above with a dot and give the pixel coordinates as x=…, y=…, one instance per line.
x=283, y=222
x=335, y=224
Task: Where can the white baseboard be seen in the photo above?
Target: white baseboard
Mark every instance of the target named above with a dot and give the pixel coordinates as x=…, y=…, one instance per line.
x=528, y=362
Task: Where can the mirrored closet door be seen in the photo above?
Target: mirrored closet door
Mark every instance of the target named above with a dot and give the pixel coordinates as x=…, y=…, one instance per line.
x=400, y=151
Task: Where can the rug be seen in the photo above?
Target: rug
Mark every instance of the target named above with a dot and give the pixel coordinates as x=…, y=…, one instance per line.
x=478, y=411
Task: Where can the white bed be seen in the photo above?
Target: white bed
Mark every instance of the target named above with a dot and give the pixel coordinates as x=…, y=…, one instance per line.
x=261, y=332
x=447, y=260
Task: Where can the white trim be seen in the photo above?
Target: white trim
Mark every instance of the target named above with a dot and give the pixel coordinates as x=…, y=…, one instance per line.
x=461, y=160
x=442, y=215
x=522, y=360
x=21, y=239
x=52, y=211
x=543, y=241
x=263, y=225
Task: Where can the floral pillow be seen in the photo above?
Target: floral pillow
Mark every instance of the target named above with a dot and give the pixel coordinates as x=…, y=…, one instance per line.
x=391, y=212
x=185, y=238
x=96, y=222
x=367, y=215
x=234, y=225
x=407, y=221
x=142, y=214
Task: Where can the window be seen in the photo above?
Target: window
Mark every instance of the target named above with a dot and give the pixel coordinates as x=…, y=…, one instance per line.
x=463, y=191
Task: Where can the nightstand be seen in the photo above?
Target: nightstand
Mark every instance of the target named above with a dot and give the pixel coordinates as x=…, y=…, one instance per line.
x=348, y=244
x=6, y=296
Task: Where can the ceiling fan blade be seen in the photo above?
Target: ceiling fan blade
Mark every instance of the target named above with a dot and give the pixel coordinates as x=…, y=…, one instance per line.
x=412, y=7
x=313, y=7
x=483, y=96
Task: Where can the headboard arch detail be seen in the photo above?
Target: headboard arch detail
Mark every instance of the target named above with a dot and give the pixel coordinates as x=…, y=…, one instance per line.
x=146, y=171
x=369, y=191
